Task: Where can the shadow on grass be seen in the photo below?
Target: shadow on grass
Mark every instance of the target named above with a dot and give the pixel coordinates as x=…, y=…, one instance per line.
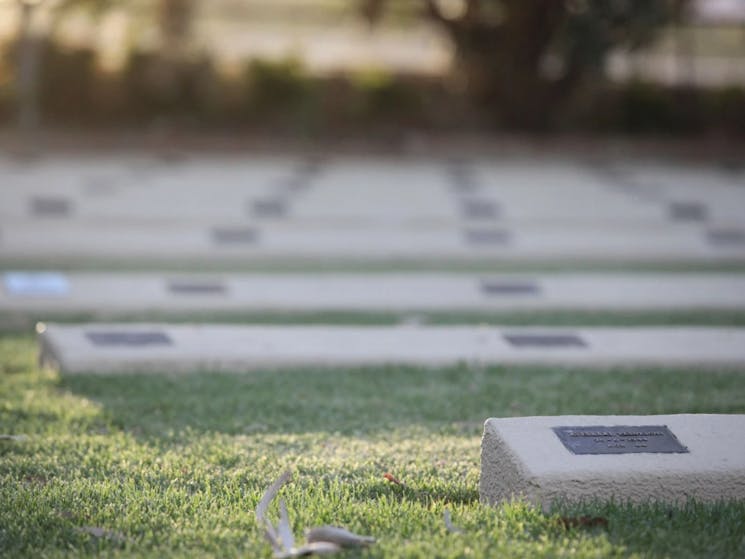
x=373, y=401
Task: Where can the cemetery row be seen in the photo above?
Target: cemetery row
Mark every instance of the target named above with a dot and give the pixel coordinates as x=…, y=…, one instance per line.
x=142, y=292
x=237, y=210
x=105, y=348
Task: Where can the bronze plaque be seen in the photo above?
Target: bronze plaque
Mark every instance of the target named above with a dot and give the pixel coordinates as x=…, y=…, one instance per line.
x=194, y=287
x=234, y=235
x=619, y=439
x=544, y=340
x=128, y=338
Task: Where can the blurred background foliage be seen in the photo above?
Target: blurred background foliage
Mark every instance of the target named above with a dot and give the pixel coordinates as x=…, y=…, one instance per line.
x=315, y=67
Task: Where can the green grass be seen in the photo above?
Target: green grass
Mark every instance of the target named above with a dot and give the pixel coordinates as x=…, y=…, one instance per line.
x=174, y=465
x=367, y=266
x=14, y=321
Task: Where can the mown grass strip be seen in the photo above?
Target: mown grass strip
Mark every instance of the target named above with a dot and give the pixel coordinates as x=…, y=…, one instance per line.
x=173, y=466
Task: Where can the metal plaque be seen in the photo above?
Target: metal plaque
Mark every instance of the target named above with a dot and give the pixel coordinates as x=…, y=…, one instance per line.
x=688, y=211
x=475, y=208
x=487, y=236
x=185, y=287
x=619, y=439
x=234, y=235
x=544, y=340
x=501, y=287
x=268, y=207
x=726, y=237
x=50, y=206
x=128, y=339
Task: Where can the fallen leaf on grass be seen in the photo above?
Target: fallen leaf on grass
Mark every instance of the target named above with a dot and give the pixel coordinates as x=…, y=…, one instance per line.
x=583, y=521
x=323, y=540
x=449, y=524
x=393, y=479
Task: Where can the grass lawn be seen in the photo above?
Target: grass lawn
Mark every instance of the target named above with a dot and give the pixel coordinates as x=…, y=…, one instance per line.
x=174, y=465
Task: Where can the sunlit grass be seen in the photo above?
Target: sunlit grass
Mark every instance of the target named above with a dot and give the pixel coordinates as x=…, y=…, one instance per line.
x=173, y=465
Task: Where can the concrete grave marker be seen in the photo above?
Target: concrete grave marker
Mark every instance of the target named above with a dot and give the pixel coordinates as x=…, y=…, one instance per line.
x=509, y=288
x=128, y=338
x=36, y=284
x=234, y=235
x=657, y=458
x=544, y=340
x=50, y=206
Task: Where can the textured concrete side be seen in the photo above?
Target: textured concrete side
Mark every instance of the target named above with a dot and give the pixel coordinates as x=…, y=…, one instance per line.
x=523, y=458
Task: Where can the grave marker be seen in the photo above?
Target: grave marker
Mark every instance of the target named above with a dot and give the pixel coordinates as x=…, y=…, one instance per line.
x=659, y=458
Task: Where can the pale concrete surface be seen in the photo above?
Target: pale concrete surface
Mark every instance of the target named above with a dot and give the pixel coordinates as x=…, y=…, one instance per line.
x=220, y=347
x=366, y=208
x=27, y=240
x=523, y=458
x=131, y=292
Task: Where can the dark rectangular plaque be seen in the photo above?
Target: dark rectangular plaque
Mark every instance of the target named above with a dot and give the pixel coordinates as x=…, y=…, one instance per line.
x=50, y=206
x=619, y=439
x=475, y=208
x=185, y=287
x=502, y=287
x=726, y=237
x=688, y=211
x=234, y=235
x=268, y=207
x=544, y=340
x=487, y=236
x=128, y=339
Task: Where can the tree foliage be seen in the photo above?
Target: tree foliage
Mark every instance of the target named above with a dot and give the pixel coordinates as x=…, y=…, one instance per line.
x=525, y=57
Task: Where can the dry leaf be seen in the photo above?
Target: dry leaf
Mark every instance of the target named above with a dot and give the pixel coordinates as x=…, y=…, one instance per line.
x=270, y=493
x=284, y=529
x=449, y=523
x=339, y=536
x=393, y=479
x=269, y=532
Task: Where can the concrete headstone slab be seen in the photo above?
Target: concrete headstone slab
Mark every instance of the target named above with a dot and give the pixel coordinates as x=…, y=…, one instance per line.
x=647, y=458
x=413, y=292
x=228, y=347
